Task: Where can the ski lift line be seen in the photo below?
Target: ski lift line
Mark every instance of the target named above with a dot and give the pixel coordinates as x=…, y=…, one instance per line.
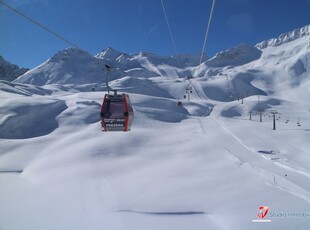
x=39, y=24
x=169, y=28
x=206, y=36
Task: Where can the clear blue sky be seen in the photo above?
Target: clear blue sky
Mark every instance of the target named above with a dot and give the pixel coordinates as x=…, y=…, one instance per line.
x=132, y=26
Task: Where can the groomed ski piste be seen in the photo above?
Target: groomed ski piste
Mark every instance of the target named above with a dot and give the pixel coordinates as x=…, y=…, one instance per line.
x=202, y=165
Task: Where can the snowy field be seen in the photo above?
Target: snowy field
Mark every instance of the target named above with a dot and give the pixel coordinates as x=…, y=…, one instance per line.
x=205, y=165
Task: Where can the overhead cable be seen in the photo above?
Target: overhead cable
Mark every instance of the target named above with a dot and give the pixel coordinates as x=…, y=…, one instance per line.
x=205, y=40
x=38, y=24
x=169, y=28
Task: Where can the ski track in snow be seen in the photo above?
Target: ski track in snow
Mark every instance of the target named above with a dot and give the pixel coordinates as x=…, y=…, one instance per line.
x=284, y=184
x=279, y=181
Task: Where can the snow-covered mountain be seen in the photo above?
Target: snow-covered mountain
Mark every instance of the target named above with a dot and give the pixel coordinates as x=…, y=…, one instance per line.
x=239, y=55
x=234, y=155
x=130, y=61
x=286, y=37
x=70, y=66
x=10, y=72
x=73, y=66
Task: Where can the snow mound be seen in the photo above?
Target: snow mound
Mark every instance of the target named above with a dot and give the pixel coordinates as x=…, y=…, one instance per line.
x=243, y=87
x=160, y=109
x=196, y=109
x=285, y=38
x=236, y=56
x=216, y=91
x=26, y=90
x=233, y=111
x=143, y=86
x=263, y=105
x=226, y=88
x=34, y=117
x=82, y=112
x=298, y=68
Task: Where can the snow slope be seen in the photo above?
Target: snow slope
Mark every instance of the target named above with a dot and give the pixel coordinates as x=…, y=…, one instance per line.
x=204, y=165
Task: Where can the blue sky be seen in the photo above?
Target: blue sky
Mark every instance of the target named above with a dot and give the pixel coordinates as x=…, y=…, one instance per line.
x=132, y=26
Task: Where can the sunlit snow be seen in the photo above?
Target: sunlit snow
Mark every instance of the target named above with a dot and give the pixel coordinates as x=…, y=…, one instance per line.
x=204, y=165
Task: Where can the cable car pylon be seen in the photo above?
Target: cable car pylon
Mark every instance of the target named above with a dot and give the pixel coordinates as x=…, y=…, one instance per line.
x=116, y=112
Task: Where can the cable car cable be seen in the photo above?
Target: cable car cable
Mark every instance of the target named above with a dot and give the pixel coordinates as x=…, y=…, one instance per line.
x=169, y=28
x=39, y=24
x=170, y=32
x=205, y=40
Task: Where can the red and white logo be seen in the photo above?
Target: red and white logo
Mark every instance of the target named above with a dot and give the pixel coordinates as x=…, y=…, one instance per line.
x=263, y=210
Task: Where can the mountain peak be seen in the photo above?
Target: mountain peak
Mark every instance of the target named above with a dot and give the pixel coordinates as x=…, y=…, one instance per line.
x=68, y=66
x=286, y=37
x=238, y=55
x=108, y=53
x=69, y=53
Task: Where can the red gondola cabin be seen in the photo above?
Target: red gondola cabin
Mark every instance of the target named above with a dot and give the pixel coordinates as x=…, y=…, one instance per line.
x=116, y=113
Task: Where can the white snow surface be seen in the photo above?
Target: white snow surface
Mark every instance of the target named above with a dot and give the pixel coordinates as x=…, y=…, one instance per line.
x=204, y=165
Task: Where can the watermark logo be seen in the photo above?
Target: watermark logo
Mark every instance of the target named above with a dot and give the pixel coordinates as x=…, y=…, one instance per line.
x=293, y=214
x=263, y=211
